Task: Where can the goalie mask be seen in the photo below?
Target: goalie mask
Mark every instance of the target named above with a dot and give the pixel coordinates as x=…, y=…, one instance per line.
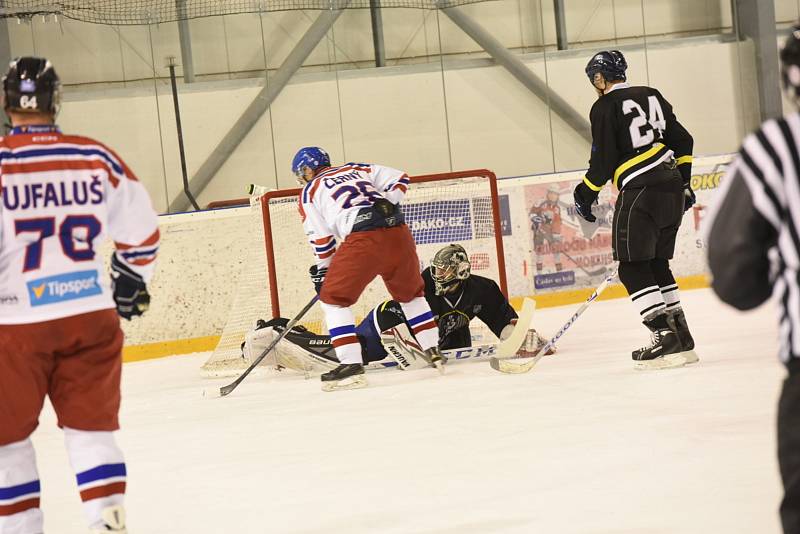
x=448, y=268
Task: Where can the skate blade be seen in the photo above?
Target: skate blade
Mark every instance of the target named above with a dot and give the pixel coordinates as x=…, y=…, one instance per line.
x=351, y=382
x=670, y=361
x=690, y=356
x=439, y=366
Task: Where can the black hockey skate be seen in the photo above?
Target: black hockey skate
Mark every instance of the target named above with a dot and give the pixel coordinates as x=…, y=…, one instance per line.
x=665, y=350
x=687, y=342
x=346, y=376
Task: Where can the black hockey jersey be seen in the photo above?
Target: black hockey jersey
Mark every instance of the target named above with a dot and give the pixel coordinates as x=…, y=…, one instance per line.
x=634, y=130
x=478, y=297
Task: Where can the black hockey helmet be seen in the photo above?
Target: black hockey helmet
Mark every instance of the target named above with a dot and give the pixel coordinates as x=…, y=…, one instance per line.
x=449, y=267
x=31, y=84
x=610, y=63
x=790, y=63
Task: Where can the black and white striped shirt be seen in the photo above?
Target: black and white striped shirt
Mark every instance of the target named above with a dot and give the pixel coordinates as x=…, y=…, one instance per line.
x=752, y=229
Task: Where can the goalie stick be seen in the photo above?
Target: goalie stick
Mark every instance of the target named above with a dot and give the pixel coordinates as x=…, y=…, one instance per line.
x=474, y=353
x=512, y=344
x=225, y=390
x=519, y=366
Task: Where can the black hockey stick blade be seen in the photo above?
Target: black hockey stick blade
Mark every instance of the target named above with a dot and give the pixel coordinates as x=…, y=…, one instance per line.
x=225, y=390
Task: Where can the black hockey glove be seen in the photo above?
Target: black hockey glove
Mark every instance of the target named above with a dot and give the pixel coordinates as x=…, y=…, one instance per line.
x=130, y=291
x=689, y=198
x=317, y=276
x=584, y=198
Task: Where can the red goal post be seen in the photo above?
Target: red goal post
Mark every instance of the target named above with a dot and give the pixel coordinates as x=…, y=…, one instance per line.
x=484, y=175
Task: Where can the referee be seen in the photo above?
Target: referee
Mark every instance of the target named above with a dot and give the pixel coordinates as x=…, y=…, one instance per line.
x=758, y=201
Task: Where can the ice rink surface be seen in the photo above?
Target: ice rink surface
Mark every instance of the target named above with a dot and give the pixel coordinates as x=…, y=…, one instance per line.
x=582, y=444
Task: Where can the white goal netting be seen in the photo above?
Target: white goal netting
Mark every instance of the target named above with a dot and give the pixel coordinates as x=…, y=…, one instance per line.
x=442, y=211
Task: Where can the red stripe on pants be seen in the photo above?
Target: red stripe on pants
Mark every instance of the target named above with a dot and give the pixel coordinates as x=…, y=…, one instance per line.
x=338, y=342
x=424, y=326
x=21, y=506
x=102, y=491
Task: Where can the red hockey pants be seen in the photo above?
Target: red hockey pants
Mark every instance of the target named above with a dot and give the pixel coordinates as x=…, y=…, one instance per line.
x=386, y=252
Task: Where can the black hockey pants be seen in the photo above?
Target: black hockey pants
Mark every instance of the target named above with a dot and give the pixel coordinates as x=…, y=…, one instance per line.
x=789, y=449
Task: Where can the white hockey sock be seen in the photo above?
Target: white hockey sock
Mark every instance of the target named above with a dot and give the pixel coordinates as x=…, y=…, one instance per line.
x=671, y=296
x=19, y=489
x=342, y=329
x=99, y=469
x=648, y=301
x=420, y=318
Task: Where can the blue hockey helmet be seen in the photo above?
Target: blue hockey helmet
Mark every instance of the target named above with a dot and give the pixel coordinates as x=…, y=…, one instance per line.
x=610, y=63
x=312, y=157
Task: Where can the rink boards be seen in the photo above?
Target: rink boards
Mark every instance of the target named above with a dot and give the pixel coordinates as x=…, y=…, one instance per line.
x=203, y=253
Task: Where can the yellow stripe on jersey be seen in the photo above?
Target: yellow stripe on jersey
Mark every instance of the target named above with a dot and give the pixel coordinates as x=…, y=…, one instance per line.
x=590, y=185
x=647, y=154
x=684, y=159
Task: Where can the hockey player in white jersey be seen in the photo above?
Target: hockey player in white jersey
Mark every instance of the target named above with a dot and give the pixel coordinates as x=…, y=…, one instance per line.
x=62, y=195
x=353, y=221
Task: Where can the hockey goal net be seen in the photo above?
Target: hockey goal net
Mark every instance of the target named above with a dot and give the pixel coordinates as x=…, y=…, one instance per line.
x=457, y=207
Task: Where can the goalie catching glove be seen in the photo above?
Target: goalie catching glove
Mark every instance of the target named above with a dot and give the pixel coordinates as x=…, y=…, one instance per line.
x=130, y=291
x=532, y=344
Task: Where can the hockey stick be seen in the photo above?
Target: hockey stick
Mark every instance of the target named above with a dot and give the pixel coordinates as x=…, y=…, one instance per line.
x=518, y=366
x=511, y=346
x=224, y=390
x=474, y=353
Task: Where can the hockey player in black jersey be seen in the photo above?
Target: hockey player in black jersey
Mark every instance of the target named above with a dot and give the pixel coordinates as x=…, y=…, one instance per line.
x=639, y=146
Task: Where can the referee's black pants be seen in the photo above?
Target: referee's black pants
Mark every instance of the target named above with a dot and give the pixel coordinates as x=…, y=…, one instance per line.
x=789, y=449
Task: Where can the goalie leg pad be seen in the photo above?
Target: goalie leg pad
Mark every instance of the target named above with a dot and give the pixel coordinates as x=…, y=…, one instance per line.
x=287, y=353
x=403, y=348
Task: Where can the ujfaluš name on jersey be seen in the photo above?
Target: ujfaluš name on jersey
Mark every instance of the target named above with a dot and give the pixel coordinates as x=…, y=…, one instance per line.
x=38, y=195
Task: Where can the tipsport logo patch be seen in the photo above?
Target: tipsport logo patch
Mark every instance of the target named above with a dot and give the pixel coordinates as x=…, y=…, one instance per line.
x=63, y=287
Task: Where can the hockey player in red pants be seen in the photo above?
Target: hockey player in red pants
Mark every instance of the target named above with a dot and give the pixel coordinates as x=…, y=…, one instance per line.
x=62, y=195
x=356, y=206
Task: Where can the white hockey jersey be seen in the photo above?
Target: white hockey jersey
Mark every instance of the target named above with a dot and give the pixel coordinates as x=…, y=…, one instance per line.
x=62, y=195
x=329, y=204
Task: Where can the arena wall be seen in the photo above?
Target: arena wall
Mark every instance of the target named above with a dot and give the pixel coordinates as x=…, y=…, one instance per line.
x=234, y=45
x=400, y=116
x=205, y=257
